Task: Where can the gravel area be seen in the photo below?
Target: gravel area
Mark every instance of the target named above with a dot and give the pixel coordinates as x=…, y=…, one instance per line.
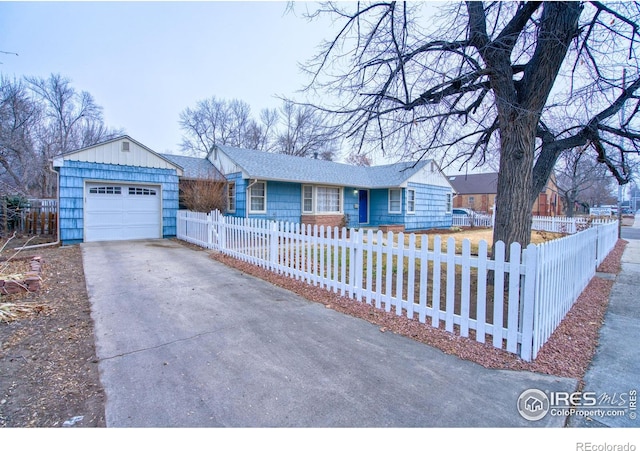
x=566, y=354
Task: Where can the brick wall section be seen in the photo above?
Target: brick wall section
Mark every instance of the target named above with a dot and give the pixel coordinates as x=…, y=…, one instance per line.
x=323, y=220
x=30, y=282
x=395, y=228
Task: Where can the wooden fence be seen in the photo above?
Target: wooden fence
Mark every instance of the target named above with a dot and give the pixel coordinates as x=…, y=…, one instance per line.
x=31, y=217
x=514, y=303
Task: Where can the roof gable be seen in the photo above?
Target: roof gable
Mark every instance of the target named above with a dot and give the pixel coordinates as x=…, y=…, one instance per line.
x=475, y=183
x=194, y=167
x=122, y=151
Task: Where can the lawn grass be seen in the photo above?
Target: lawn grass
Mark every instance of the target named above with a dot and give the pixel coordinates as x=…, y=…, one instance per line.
x=474, y=235
x=330, y=253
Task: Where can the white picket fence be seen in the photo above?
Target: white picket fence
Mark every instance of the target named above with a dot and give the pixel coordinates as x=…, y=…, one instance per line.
x=564, y=224
x=514, y=303
x=472, y=221
x=556, y=224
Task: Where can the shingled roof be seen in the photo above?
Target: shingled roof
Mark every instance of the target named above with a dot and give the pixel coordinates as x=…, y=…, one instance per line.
x=194, y=167
x=475, y=183
x=274, y=166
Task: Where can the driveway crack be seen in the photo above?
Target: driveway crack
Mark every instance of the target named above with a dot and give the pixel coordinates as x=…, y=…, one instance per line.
x=162, y=345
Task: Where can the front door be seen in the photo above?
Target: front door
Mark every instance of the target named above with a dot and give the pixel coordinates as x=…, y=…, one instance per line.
x=363, y=206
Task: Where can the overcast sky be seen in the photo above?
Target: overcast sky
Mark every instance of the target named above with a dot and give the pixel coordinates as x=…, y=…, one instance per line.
x=145, y=62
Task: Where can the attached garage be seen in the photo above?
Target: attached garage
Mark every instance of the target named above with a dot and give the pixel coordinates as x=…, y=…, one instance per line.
x=116, y=190
x=122, y=212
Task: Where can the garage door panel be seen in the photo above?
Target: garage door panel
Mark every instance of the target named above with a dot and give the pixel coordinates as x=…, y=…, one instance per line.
x=122, y=212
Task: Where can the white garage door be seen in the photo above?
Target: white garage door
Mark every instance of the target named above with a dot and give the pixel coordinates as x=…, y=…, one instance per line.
x=121, y=212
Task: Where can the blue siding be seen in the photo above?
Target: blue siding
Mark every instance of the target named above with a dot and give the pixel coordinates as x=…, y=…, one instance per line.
x=379, y=209
x=431, y=208
x=431, y=205
x=73, y=175
x=284, y=203
x=241, y=193
x=284, y=200
x=350, y=207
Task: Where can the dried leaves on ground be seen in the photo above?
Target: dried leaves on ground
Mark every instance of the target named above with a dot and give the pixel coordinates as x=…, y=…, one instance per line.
x=48, y=366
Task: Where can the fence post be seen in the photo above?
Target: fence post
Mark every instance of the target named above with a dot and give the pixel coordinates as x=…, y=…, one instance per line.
x=222, y=232
x=210, y=230
x=273, y=245
x=528, y=302
x=359, y=257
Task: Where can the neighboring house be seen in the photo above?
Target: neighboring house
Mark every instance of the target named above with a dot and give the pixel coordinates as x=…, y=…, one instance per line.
x=116, y=190
x=478, y=192
x=402, y=196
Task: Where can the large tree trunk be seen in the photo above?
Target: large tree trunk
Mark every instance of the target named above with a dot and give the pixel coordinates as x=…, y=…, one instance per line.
x=515, y=181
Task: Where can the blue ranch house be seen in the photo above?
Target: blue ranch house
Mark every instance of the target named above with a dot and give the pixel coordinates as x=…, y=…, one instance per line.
x=121, y=189
x=401, y=196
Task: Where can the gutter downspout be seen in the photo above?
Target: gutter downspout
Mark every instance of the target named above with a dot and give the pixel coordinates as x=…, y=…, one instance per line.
x=246, y=198
x=55, y=243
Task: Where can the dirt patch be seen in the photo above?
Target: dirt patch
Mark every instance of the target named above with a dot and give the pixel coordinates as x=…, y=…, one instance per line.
x=48, y=365
x=566, y=354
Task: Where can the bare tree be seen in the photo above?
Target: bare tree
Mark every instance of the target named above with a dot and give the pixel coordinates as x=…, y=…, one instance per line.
x=303, y=132
x=218, y=121
x=358, y=159
x=19, y=116
x=490, y=77
x=292, y=129
x=579, y=177
x=40, y=119
x=69, y=120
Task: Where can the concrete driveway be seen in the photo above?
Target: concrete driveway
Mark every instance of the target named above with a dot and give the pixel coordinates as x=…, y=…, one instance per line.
x=185, y=341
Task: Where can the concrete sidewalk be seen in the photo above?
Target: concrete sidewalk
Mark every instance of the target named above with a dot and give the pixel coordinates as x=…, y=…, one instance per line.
x=184, y=341
x=615, y=369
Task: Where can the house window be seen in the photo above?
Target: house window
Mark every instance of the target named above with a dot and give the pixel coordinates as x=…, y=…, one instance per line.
x=395, y=201
x=231, y=197
x=141, y=191
x=472, y=202
x=258, y=198
x=449, y=207
x=105, y=190
x=411, y=201
x=307, y=199
x=327, y=199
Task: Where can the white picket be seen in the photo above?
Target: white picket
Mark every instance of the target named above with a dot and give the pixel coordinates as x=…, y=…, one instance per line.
x=411, y=274
x=378, y=291
x=388, y=272
x=498, y=290
x=435, y=297
x=399, y=273
x=543, y=281
x=481, y=296
x=451, y=284
x=465, y=288
x=424, y=278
